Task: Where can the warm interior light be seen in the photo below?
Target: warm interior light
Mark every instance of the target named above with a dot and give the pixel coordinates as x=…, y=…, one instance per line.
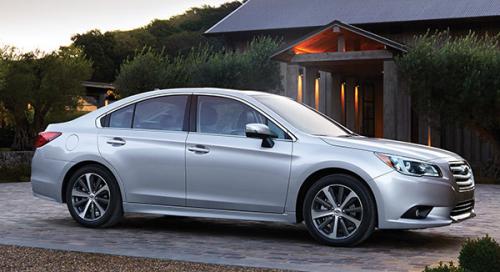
x=342, y=101
x=429, y=139
x=299, y=89
x=356, y=106
x=316, y=94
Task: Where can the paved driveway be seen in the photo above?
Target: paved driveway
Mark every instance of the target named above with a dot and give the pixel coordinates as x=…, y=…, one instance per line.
x=28, y=221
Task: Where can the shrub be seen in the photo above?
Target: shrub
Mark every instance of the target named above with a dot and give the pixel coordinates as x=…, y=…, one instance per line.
x=15, y=173
x=480, y=255
x=6, y=136
x=447, y=74
x=65, y=116
x=203, y=66
x=444, y=268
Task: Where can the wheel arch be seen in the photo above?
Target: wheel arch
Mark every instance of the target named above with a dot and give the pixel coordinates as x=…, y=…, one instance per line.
x=312, y=178
x=79, y=165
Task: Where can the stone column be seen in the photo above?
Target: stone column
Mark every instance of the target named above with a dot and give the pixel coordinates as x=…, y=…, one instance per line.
x=291, y=81
x=101, y=100
x=310, y=75
x=334, y=109
x=325, y=91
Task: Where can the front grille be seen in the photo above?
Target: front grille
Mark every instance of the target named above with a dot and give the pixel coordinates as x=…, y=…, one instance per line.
x=462, y=208
x=462, y=174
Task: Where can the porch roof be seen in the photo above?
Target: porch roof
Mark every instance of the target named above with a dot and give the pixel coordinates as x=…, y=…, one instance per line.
x=323, y=45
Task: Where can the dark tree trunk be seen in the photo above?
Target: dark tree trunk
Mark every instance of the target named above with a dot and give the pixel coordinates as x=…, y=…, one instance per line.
x=23, y=139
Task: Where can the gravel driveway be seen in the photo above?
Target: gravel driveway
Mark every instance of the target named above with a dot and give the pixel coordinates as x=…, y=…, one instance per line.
x=28, y=221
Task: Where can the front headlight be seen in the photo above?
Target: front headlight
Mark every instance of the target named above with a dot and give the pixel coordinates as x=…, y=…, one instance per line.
x=410, y=166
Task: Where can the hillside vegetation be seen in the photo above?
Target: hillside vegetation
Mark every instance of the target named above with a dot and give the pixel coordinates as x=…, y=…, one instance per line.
x=174, y=36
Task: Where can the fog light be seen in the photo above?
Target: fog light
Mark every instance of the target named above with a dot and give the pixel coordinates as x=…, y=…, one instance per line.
x=417, y=212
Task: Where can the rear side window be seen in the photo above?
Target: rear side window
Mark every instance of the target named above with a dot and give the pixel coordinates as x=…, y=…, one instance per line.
x=122, y=118
x=162, y=113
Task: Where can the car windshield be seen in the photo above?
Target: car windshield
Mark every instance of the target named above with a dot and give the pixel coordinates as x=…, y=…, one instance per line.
x=302, y=117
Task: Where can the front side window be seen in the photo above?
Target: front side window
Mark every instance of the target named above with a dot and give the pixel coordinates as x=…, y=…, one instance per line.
x=218, y=115
x=302, y=117
x=162, y=113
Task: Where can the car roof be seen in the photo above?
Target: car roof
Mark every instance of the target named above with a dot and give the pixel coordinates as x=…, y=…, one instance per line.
x=207, y=90
x=145, y=95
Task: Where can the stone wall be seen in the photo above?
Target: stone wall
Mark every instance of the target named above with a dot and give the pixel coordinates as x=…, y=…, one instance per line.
x=14, y=158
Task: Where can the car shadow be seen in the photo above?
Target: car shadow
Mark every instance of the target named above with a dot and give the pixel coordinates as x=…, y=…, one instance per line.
x=293, y=233
x=200, y=228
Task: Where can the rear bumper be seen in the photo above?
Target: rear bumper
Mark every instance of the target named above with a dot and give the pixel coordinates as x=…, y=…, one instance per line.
x=399, y=193
x=47, y=176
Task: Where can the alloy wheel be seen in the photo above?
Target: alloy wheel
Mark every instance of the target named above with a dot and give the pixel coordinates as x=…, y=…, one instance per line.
x=336, y=211
x=90, y=196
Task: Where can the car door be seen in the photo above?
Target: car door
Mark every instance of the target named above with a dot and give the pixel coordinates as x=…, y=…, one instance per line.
x=145, y=143
x=227, y=170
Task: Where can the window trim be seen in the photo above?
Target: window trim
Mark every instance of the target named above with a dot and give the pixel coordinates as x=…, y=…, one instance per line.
x=194, y=111
x=185, y=125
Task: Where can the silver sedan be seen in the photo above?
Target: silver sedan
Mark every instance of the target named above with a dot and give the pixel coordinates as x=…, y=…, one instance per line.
x=245, y=155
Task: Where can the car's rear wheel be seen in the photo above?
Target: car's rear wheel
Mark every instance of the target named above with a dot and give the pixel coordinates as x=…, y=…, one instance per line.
x=339, y=210
x=93, y=197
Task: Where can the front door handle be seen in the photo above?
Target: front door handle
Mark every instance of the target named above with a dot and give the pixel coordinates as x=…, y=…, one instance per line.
x=116, y=141
x=199, y=149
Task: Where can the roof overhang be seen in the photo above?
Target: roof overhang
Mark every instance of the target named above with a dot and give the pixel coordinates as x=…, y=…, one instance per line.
x=338, y=41
x=99, y=85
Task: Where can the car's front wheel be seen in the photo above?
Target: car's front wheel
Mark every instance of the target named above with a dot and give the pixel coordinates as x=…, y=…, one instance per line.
x=93, y=197
x=339, y=210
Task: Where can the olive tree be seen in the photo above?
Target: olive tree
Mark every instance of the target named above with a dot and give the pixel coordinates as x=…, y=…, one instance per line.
x=37, y=84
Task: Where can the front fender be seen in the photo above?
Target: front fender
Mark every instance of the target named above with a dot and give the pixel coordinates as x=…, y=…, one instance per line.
x=333, y=158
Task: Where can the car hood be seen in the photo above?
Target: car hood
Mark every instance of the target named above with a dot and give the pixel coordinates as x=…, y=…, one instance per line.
x=409, y=150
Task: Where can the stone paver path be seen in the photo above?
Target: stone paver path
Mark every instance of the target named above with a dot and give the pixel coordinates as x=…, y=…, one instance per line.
x=28, y=221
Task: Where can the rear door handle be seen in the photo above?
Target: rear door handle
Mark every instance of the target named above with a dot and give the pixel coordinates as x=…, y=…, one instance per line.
x=199, y=149
x=116, y=141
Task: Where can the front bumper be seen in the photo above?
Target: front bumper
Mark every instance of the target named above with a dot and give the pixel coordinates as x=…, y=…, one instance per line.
x=397, y=193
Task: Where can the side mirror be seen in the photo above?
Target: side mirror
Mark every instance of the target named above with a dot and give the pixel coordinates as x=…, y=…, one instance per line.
x=260, y=131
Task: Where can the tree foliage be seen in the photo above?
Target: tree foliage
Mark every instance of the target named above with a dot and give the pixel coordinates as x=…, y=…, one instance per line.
x=177, y=35
x=203, y=67
x=455, y=79
x=37, y=84
x=101, y=48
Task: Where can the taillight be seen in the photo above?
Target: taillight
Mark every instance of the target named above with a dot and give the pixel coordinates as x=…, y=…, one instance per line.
x=44, y=137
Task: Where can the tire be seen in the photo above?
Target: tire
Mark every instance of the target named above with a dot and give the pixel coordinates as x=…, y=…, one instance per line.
x=355, y=219
x=102, y=206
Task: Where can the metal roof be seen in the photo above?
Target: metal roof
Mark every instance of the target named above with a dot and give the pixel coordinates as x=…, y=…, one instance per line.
x=256, y=15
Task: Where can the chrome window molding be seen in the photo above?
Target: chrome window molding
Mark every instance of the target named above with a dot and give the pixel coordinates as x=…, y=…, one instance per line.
x=290, y=134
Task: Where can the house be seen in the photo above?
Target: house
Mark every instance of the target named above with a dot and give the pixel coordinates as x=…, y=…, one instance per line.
x=338, y=56
x=97, y=94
